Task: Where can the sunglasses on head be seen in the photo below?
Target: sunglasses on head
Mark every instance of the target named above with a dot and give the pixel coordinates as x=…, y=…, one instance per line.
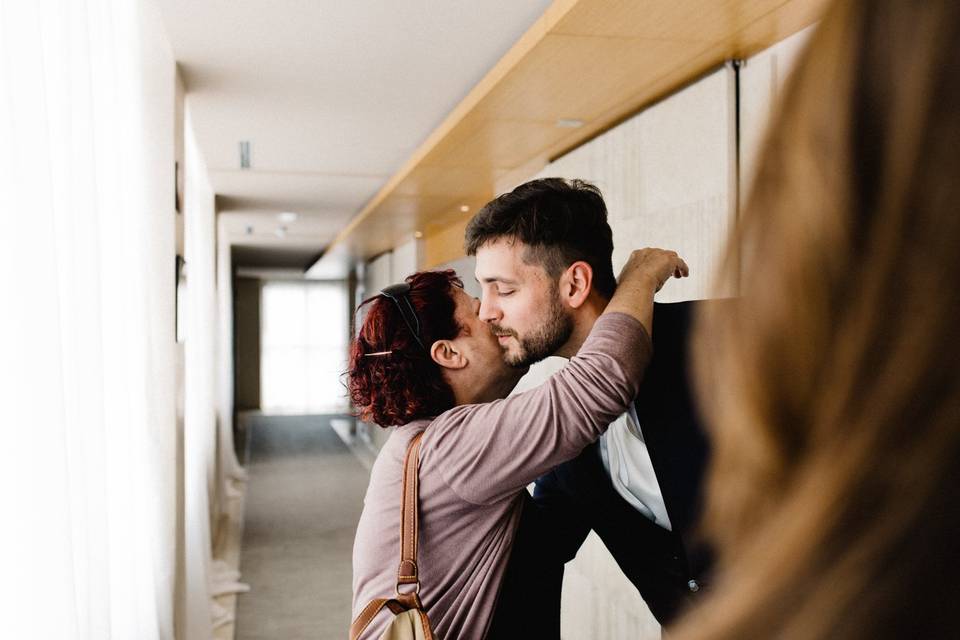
x=399, y=293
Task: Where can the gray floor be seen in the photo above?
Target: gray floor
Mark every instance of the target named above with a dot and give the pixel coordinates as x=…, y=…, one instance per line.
x=304, y=496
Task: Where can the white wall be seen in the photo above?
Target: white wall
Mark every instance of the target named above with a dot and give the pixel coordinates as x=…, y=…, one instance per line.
x=200, y=424
x=404, y=260
x=465, y=268
x=668, y=178
x=378, y=273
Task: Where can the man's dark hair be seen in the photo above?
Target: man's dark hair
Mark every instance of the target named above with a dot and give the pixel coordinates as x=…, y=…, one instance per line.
x=560, y=221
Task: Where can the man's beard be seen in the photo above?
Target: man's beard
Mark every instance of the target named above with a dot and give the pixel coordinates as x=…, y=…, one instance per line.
x=545, y=341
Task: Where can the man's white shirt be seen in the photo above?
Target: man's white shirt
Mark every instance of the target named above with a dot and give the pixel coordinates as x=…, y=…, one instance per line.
x=623, y=449
x=627, y=461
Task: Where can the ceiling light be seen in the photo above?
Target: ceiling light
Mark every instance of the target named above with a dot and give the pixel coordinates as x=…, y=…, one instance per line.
x=464, y=208
x=281, y=232
x=569, y=123
x=418, y=234
x=287, y=217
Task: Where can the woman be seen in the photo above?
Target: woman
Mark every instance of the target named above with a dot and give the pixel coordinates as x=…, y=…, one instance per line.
x=424, y=360
x=834, y=391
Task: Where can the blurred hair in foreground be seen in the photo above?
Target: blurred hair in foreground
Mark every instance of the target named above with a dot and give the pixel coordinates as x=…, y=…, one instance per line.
x=833, y=391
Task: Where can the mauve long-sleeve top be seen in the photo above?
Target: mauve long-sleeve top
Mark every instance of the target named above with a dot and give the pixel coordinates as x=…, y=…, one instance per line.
x=474, y=462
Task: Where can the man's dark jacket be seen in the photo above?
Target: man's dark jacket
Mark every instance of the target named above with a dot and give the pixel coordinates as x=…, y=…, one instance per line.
x=669, y=568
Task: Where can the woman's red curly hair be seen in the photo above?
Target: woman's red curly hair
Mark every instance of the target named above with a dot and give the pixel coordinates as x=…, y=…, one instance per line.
x=405, y=384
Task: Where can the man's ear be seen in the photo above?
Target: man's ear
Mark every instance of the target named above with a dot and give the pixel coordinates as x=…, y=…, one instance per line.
x=576, y=283
x=446, y=354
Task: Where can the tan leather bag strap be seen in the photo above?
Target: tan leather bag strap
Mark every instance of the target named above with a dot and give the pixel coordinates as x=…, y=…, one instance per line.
x=369, y=613
x=397, y=605
x=409, y=536
x=409, y=518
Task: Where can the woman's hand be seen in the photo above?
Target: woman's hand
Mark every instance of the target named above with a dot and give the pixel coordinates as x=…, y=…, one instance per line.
x=645, y=273
x=652, y=267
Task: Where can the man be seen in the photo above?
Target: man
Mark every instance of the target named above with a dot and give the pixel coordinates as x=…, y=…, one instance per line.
x=544, y=264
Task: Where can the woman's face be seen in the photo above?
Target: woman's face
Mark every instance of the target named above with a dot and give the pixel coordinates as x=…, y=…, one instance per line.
x=482, y=348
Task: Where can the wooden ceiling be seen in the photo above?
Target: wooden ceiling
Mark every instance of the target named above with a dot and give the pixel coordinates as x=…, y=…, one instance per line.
x=595, y=61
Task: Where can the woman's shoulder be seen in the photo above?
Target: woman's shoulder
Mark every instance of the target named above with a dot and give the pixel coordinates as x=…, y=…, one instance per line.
x=395, y=447
x=387, y=467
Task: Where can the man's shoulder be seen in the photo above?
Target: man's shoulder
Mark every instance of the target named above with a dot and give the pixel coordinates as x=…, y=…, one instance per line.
x=673, y=322
x=687, y=307
x=666, y=386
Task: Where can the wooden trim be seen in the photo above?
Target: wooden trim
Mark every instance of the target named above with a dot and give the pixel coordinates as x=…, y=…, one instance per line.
x=593, y=60
x=444, y=245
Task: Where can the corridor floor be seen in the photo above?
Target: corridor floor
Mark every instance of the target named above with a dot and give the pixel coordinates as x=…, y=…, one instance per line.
x=304, y=497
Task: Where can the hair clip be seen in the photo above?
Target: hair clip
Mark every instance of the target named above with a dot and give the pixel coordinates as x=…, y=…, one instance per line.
x=378, y=353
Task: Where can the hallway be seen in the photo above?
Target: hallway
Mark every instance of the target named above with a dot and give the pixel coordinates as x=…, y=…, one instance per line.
x=200, y=194
x=304, y=497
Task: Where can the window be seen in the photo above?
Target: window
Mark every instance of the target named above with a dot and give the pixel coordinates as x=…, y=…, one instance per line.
x=303, y=347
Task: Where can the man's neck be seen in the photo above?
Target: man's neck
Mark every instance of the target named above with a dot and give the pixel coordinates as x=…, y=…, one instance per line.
x=583, y=320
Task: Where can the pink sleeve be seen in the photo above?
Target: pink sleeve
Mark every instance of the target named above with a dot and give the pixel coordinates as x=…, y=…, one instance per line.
x=488, y=451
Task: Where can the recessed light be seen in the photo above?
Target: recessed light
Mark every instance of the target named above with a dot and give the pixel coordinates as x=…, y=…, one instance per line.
x=569, y=123
x=464, y=208
x=287, y=217
x=418, y=234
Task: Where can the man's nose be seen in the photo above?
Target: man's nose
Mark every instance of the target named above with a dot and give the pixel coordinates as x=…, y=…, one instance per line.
x=489, y=312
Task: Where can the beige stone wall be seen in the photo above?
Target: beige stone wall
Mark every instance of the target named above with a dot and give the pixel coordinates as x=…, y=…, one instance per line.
x=669, y=179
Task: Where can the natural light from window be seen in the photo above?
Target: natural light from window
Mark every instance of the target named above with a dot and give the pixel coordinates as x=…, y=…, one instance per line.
x=303, y=347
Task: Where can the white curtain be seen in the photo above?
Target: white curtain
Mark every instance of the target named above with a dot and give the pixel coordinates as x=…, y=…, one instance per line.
x=212, y=473
x=87, y=475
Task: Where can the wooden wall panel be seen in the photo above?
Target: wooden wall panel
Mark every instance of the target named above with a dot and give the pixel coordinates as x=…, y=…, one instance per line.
x=446, y=245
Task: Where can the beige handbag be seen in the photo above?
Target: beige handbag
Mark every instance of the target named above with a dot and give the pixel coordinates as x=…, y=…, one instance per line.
x=410, y=621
